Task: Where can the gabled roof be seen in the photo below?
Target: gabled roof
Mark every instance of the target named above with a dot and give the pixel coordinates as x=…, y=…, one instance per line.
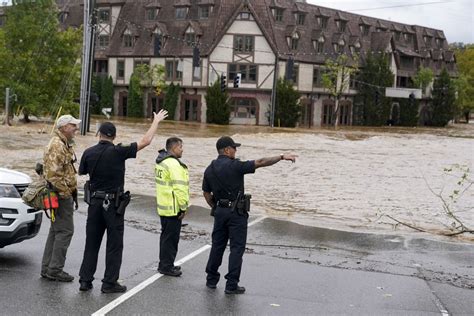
x=321, y=12
x=340, y=16
x=153, y=4
x=182, y=3
x=396, y=27
x=382, y=25
x=363, y=21
x=196, y=27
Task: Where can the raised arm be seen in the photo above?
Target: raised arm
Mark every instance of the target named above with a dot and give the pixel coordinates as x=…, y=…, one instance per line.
x=148, y=137
x=268, y=161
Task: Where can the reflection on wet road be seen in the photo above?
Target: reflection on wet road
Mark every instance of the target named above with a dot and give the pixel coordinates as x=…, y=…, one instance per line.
x=343, y=179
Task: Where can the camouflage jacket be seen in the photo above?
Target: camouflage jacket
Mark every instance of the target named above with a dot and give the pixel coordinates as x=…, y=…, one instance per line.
x=59, y=169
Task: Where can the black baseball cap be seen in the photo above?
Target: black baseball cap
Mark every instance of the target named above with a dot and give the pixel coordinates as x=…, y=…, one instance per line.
x=226, y=141
x=108, y=129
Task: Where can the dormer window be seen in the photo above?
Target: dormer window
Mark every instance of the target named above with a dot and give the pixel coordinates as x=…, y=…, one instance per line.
x=104, y=15
x=322, y=22
x=364, y=29
x=427, y=40
x=151, y=14
x=127, y=39
x=355, y=48
x=278, y=14
x=408, y=37
x=245, y=16
x=190, y=36
x=294, y=41
x=397, y=35
x=181, y=13
x=339, y=46
x=62, y=17
x=341, y=25
x=204, y=12
x=439, y=42
x=299, y=17
x=319, y=44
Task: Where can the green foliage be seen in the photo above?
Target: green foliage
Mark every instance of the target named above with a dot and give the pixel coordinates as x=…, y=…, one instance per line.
x=152, y=77
x=371, y=107
x=287, y=107
x=443, y=104
x=423, y=78
x=135, y=97
x=465, y=83
x=107, y=93
x=218, y=107
x=337, y=74
x=38, y=61
x=408, y=112
x=171, y=99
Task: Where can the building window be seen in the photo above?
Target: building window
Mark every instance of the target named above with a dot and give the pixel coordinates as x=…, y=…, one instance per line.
x=439, y=42
x=322, y=22
x=191, y=108
x=243, y=108
x=104, y=16
x=248, y=72
x=300, y=18
x=407, y=62
x=397, y=34
x=364, y=29
x=244, y=43
x=120, y=69
x=127, y=40
x=204, y=12
x=278, y=14
x=181, y=13
x=427, y=40
x=341, y=25
x=317, y=77
x=62, y=17
x=172, y=72
x=328, y=112
x=152, y=14
x=293, y=41
x=190, y=37
x=245, y=16
x=137, y=63
x=103, y=41
x=408, y=37
x=355, y=48
x=294, y=75
x=319, y=45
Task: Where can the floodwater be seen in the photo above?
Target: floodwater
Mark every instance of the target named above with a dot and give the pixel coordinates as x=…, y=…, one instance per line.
x=346, y=179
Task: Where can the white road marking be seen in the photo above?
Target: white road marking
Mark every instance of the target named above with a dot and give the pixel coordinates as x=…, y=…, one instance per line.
x=122, y=298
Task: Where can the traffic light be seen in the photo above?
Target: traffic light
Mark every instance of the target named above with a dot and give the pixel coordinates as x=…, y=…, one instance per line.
x=223, y=83
x=196, y=58
x=157, y=46
x=237, y=79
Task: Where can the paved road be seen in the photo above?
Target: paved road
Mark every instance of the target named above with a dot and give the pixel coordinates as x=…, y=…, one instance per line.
x=288, y=269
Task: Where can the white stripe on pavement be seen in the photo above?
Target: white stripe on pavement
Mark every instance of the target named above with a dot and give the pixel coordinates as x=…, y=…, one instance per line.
x=122, y=298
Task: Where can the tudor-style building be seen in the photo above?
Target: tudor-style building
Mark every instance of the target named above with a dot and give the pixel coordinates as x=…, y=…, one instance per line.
x=254, y=38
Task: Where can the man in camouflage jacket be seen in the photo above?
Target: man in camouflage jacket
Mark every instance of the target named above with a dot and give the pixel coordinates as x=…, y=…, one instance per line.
x=59, y=171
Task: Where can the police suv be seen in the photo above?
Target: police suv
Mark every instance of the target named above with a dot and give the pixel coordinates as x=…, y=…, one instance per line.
x=17, y=220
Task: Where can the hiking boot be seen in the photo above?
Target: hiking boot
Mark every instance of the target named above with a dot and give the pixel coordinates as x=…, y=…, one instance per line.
x=85, y=286
x=172, y=272
x=176, y=268
x=211, y=286
x=116, y=288
x=237, y=290
x=60, y=276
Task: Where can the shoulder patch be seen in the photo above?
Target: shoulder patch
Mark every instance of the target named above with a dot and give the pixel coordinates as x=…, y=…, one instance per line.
x=124, y=145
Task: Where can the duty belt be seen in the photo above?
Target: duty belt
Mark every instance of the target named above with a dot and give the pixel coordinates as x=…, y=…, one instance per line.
x=225, y=203
x=103, y=195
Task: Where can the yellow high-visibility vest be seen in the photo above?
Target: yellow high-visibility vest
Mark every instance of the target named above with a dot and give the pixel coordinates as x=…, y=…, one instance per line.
x=172, y=186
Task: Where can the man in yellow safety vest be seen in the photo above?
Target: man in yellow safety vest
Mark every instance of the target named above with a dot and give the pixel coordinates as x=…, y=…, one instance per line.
x=172, y=198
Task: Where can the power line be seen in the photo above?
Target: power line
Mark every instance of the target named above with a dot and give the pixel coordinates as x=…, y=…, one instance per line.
x=400, y=6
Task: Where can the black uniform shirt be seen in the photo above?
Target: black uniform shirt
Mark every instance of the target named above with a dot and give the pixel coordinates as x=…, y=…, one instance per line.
x=226, y=179
x=109, y=174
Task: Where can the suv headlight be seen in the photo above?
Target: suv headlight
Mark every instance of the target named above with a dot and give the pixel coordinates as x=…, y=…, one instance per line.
x=6, y=221
x=8, y=191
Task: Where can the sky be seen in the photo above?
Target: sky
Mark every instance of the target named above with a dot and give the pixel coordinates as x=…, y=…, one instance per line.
x=454, y=17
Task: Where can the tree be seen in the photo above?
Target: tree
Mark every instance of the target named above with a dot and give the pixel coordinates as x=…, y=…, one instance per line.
x=336, y=79
x=38, y=61
x=423, y=78
x=287, y=107
x=135, y=97
x=171, y=99
x=218, y=107
x=107, y=93
x=443, y=104
x=465, y=82
x=371, y=107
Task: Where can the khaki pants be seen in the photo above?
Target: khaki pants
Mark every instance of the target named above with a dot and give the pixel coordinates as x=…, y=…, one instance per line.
x=59, y=238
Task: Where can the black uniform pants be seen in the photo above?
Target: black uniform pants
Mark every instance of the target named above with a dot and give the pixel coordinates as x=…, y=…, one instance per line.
x=228, y=225
x=169, y=239
x=98, y=221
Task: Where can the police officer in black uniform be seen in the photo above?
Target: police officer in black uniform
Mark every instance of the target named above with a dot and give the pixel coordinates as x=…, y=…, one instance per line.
x=223, y=189
x=105, y=164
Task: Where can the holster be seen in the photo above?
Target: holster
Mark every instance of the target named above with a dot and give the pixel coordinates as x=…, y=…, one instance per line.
x=124, y=201
x=87, y=192
x=243, y=204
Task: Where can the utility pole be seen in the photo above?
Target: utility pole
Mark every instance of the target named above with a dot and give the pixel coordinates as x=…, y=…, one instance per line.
x=7, y=107
x=273, y=97
x=87, y=61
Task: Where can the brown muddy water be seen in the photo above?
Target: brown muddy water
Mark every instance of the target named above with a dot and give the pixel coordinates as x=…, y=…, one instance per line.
x=345, y=179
